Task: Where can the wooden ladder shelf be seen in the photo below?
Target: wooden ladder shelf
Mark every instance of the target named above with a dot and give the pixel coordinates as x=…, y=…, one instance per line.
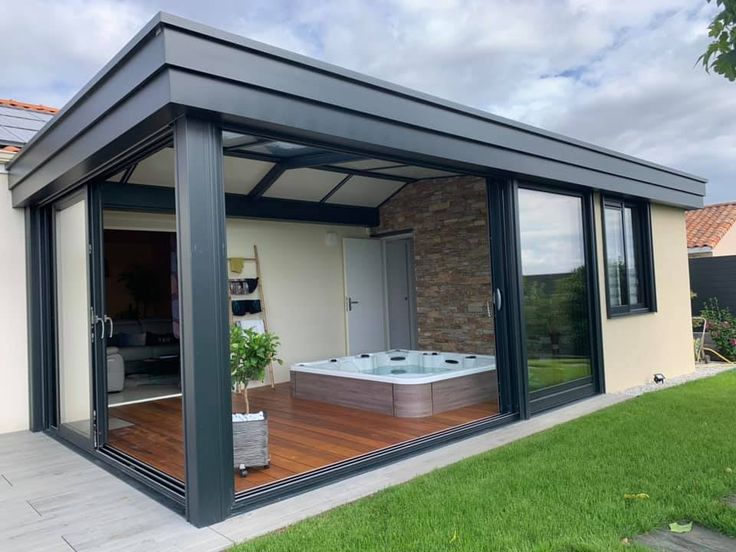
x=262, y=297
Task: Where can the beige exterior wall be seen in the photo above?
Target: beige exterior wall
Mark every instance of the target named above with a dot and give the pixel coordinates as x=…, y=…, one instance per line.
x=638, y=346
x=727, y=244
x=14, y=414
x=302, y=278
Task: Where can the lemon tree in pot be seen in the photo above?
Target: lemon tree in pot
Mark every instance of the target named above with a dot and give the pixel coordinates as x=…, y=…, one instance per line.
x=250, y=354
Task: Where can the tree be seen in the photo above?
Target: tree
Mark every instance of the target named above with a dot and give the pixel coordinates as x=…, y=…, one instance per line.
x=720, y=56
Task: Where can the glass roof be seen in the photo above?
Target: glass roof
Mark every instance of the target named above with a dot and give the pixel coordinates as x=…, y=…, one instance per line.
x=331, y=178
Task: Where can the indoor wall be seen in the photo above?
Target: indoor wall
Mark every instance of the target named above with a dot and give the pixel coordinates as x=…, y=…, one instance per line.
x=302, y=283
x=301, y=278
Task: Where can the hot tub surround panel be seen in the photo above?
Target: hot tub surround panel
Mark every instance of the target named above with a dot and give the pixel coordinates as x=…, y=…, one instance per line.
x=415, y=396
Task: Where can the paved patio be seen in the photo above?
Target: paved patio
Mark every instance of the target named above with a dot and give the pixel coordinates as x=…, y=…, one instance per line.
x=52, y=499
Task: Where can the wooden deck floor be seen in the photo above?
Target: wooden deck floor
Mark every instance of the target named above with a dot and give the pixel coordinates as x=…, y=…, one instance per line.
x=304, y=435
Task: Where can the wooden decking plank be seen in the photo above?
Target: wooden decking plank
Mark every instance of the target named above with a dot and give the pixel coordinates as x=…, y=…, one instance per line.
x=303, y=434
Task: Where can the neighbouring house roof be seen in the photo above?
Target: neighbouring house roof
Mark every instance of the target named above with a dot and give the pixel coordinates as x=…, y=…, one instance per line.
x=20, y=121
x=706, y=226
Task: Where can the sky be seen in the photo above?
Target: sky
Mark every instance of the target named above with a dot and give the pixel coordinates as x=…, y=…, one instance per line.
x=618, y=73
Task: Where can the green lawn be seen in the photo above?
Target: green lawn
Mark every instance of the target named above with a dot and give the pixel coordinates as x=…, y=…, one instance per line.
x=561, y=490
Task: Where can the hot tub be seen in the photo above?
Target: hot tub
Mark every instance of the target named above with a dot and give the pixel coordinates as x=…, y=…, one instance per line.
x=402, y=383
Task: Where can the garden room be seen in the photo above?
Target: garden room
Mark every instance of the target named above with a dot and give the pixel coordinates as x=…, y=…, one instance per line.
x=368, y=281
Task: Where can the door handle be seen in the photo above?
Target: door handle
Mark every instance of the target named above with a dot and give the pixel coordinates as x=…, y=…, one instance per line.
x=497, y=299
x=108, y=319
x=101, y=321
x=351, y=303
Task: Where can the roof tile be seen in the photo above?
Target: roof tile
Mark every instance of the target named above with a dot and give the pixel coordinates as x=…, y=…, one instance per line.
x=706, y=226
x=39, y=108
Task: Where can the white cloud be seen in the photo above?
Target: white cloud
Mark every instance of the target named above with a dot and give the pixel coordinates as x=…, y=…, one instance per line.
x=56, y=47
x=619, y=73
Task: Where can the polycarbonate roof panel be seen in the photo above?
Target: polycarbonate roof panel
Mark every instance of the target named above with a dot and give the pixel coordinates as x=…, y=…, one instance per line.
x=364, y=191
x=280, y=149
x=156, y=170
x=304, y=184
x=232, y=140
x=242, y=175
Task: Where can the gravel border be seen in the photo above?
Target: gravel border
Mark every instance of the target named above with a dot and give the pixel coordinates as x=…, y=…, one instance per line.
x=701, y=371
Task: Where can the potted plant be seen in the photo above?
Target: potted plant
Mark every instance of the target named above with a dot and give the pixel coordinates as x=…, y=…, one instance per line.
x=250, y=354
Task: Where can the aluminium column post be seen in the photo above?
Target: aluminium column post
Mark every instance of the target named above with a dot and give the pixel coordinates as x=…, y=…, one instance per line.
x=204, y=336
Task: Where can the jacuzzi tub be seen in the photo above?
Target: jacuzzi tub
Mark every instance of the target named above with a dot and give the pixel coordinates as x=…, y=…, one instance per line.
x=400, y=382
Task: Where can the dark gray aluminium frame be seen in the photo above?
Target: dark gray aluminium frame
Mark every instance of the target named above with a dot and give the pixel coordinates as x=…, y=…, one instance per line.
x=175, y=73
x=561, y=394
x=642, y=238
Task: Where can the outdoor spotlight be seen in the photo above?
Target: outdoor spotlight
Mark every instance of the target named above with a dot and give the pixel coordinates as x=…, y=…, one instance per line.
x=658, y=378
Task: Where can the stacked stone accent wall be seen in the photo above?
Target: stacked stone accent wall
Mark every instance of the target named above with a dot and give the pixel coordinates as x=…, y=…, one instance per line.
x=449, y=220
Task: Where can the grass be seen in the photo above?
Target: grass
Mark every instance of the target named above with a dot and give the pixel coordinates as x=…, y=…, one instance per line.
x=560, y=490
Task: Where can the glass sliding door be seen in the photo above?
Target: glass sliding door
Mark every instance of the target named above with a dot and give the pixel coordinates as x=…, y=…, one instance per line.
x=555, y=297
x=74, y=319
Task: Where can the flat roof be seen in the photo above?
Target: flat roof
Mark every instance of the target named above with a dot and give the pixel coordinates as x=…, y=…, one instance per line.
x=174, y=66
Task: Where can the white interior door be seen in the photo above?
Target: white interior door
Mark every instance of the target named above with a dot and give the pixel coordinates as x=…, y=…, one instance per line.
x=365, y=298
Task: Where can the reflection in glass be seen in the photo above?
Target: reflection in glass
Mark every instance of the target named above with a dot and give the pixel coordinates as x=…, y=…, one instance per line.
x=555, y=289
x=73, y=308
x=615, y=256
x=631, y=224
x=623, y=255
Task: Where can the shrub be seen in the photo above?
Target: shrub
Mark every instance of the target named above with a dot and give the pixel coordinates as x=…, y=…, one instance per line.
x=722, y=327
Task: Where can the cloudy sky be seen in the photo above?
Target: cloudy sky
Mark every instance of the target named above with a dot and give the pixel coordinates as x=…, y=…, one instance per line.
x=619, y=73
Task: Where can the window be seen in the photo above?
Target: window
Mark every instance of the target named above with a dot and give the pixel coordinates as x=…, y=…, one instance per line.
x=629, y=267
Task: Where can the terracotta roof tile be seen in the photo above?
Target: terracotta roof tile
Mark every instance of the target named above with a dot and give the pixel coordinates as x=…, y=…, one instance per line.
x=30, y=107
x=706, y=226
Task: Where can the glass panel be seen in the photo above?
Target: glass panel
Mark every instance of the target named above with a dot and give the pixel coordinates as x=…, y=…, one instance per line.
x=555, y=299
x=280, y=149
x=633, y=255
x=73, y=316
x=615, y=264
x=144, y=395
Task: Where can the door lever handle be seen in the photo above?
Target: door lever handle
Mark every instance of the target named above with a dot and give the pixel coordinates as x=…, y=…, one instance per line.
x=351, y=303
x=108, y=319
x=101, y=321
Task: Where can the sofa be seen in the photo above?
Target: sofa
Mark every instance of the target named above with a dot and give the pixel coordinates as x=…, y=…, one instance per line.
x=138, y=340
x=115, y=370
